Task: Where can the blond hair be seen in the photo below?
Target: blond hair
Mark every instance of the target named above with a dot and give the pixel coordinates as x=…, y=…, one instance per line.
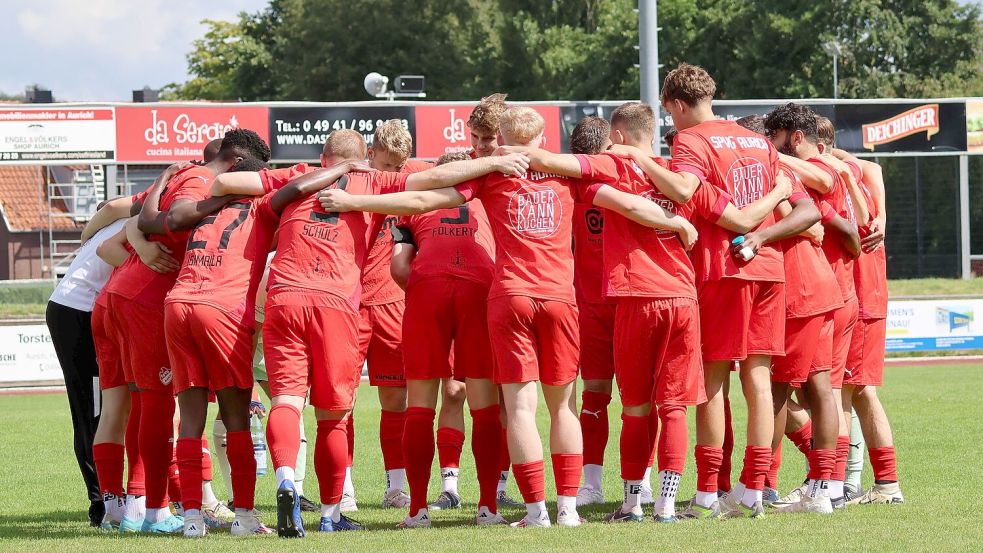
x=826, y=132
x=485, y=117
x=689, y=83
x=521, y=125
x=635, y=119
x=392, y=137
x=344, y=144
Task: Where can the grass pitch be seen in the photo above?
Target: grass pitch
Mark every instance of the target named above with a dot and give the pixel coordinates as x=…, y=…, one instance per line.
x=935, y=411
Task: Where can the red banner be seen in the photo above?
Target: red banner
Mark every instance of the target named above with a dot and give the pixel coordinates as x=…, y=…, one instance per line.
x=443, y=128
x=167, y=134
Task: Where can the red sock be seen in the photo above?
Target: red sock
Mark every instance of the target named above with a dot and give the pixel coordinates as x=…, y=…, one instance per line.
x=802, y=438
x=173, y=479
x=156, y=436
x=450, y=442
x=350, y=431
x=242, y=461
x=189, y=459
x=885, y=464
x=206, y=461
x=283, y=435
x=330, y=458
x=674, y=438
x=757, y=461
x=504, y=461
x=822, y=463
x=391, y=439
x=724, y=472
x=418, y=449
x=635, y=448
x=594, y=426
x=771, y=480
x=108, y=459
x=842, y=453
x=135, y=475
x=485, y=445
x=708, y=461
x=531, y=479
x=567, y=469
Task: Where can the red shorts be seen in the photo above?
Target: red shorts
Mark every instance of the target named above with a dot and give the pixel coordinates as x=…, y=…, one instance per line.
x=108, y=355
x=208, y=348
x=533, y=340
x=808, y=349
x=596, y=340
x=139, y=336
x=380, y=343
x=844, y=320
x=739, y=318
x=657, y=351
x=311, y=342
x=865, y=362
x=441, y=313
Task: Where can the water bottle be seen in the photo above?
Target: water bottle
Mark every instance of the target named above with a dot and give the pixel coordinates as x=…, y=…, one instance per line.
x=746, y=253
x=259, y=444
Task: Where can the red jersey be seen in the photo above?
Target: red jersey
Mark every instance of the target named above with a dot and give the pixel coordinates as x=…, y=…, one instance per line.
x=742, y=164
x=833, y=246
x=639, y=261
x=810, y=285
x=321, y=252
x=226, y=257
x=378, y=286
x=452, y=243
x=532, y=221
x=138, y=282
x=870, y=270
x=588, y=252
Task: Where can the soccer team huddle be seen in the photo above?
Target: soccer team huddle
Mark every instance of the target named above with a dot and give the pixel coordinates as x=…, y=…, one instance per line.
x=757, y=248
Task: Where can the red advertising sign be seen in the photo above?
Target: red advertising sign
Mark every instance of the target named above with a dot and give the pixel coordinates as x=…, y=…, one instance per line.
x=921, y=119
x=157, y=134
x=443, y=128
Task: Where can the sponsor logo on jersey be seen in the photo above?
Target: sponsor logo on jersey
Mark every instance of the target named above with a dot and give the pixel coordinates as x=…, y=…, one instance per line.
x=535, y=211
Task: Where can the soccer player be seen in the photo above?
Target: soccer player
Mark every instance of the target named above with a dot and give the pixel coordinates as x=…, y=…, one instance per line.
x=137, y=297
x=314, y=292
x=865, y=361
x=812, y=295
x=749, y=294
x=444, y=261
x=794, y=130
x=531, y=312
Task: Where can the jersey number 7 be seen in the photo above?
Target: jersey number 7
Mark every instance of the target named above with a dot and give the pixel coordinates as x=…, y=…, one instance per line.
x=223, y=242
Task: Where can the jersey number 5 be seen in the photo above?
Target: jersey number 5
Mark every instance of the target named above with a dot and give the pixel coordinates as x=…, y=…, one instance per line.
x=331, y=218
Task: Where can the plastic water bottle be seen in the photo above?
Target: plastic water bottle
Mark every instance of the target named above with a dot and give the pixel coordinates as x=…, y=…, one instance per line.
x=259, y=444
x=746, y=253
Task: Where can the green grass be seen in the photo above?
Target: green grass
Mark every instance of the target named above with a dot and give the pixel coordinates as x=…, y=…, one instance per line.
x=936, y=425
x=935, y=287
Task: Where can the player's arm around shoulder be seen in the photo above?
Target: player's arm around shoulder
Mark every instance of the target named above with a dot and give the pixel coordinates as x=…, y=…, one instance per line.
x=748, y=218
x=412, y=202
x=645, y=212
x=315, y=181
x=454, y=173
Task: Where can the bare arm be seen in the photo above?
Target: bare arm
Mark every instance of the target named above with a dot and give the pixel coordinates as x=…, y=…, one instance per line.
x=645, y=212
x=312, y=182
x=403, y=255
x=450, y=174
x=113, y=249
x=185, y=214
x=153, y=254
x=678, y=187
x=412, y=202
x=247, y=183
x=803, y=216
x=746, y=219
x=811, y=176
x=111, y=211
x=860, y=209
x=848, y=233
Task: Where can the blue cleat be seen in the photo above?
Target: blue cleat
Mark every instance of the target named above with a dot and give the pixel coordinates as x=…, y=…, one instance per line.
x=130, y=526
x=344, y=525
x=288, y=521
x=665, y=518
x=170, y=525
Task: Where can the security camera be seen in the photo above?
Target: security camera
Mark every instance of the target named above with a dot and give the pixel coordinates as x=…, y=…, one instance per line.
x=375, y=84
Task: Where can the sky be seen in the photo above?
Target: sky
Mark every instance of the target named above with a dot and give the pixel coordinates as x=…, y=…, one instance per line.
x=102, y=50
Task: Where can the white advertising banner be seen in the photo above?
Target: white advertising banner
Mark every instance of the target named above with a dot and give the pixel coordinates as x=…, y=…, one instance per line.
x=934, y=325
x=57, y=135
x=27, y=355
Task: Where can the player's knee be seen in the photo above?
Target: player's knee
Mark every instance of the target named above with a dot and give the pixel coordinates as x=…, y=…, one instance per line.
x=598, y=386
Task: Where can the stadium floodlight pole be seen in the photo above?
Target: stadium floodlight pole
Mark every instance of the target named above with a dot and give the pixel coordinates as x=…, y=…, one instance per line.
x=648, y=51
x=835, y=49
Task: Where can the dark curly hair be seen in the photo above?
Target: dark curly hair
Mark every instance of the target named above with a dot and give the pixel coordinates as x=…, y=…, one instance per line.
x=245, y=143
x=753, y=123
x=589, y=135
x=251, y=164
x=793, y=117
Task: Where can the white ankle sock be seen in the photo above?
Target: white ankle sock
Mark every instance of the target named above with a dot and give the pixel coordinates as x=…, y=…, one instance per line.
x=157, y=515
x=136, y=507
x=448, y=480
x=818, y=488
x=566, y=504
x=395, y=479
x=835, y=489
x=592, y=476
x=665, y=504
x=284, y=473
x=299, y=486
x=503, y=480
x=349, y=487
x=208, y=498
x=536, y=510
x=633, y=496
x=705, y=499
x=647, y=479
x=752, y=497
x=332, y=511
